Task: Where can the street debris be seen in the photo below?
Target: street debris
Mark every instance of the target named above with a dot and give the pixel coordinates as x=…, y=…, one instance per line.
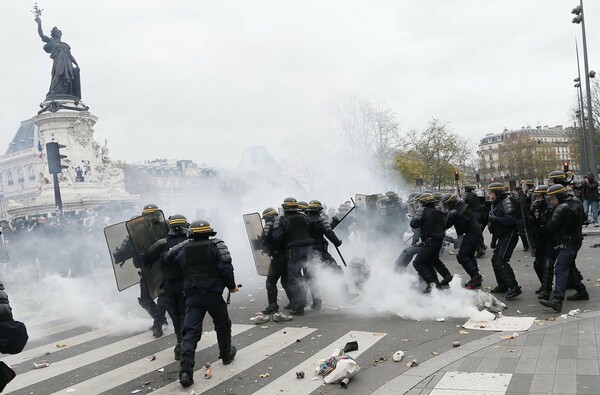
x=378, y=361
x=42, y=364
x=412, y=363
x=463, y=332
x=161, y=370
x=398, y=355
x=264, y=375
x=338, y=367
x=300, y=375
x=440, y=319
x=405, y=340
x=264, y=326
x=456, y=344
x=207, y=371
x=435, y=353
x=509, y=337
x=344, y=383
x=61, y=346
x=71, y=390
x=574, y=312
x=136, y=391
x=150, y=358
x=487, y=301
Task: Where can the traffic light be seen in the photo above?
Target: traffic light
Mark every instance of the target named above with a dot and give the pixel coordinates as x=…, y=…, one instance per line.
x=566, y=166
x=477, y=177
x=419, y=182
x=455, y=175
x=54, y=158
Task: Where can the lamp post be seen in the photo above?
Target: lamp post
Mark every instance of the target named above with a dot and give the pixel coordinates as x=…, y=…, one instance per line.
x=580, y=19
x=583, y=146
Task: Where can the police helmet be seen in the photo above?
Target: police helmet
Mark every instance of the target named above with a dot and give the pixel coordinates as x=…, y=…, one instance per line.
x=449, y=199
x=559, y=191
x=201, y=227
x=302, y=205
x=558, y=177
x=382, y=201
x=392, y=196
x=343, y=209
x=428, y=198
x=541, y=190
x=315, y=205
x=178, y=220
x=469, y=188
x=529, y=183
x=497, y=187
x=290, y=204
x=269, y=212
x=149, y=208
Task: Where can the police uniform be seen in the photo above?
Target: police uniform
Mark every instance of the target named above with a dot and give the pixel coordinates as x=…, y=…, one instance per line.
x=278, y=266
x=565, y=226
x=207, y=271
x=503, y=227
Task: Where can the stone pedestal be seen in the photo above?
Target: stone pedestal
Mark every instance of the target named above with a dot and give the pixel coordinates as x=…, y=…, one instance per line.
x=91, y=179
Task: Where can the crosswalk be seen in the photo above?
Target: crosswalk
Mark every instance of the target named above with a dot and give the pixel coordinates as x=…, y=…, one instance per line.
x=99, y=361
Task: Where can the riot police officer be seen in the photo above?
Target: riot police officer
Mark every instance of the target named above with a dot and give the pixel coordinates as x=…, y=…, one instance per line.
x=565, y=226
x=474, y=203
x=293, y=228
x=430, y=220
x=319, y=230
x=503, y=227
x=207, y=271
x=172, y=275
x=278, y=267
x=543, y=263
x=464, y=221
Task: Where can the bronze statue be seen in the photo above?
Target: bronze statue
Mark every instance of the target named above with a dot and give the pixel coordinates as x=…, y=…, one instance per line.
x=65, y=82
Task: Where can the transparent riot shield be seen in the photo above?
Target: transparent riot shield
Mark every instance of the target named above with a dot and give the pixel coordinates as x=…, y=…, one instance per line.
x=144, y=231
x=122, y=255
x=360, y=200
x=254, y=229
x=3, y=250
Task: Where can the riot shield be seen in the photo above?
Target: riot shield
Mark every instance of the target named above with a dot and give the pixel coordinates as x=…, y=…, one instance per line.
x=3, y=250
x=527, y=220
x=144, y=231
x=254, y=229
x=122, y=255
x=361, y=201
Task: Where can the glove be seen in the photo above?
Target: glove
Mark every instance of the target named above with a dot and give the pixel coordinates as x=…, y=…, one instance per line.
x=493, y=244
x=337, y=243
x=492, y=219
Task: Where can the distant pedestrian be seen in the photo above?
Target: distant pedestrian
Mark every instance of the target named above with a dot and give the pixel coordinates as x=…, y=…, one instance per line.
x=589, y=196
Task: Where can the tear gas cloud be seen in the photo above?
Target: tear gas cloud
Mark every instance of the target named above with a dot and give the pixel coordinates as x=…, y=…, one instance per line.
x=334, y=177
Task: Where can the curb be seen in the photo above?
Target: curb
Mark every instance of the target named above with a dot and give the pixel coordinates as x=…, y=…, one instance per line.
x=407, y=380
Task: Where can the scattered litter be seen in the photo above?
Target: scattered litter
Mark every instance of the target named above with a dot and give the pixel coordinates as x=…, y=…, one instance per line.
x=435, y=353
x=42, y=364
x=456, y=344
x=150, y=358
x=564, y=316
x=398, y=355
x=518, y=311
x=298, y=340
x=252, y=300
x=146, y=382
x=242, y=307
x=378, y=361
x=463, y=332
x=264, y=326
x=207, y=371
x=486, y=301
x=300, y=375
x=71, y=390
x=501, y=324
x=264, y=375
x=508, y=337
x=412, y=363
x=405, y=340
x=161, y=369
x=574, y=312
x=136, y=391
x=511, y=350
x=252, y=318
x=338, y=367
x=378, y=334
x=440, y=319
x=299, y=352
x=61, y=346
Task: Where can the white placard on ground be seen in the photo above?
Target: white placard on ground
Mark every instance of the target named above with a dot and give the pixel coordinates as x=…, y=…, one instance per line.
x=502, y=324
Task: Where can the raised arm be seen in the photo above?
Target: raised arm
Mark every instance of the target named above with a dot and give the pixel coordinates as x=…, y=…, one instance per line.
x=40, y=31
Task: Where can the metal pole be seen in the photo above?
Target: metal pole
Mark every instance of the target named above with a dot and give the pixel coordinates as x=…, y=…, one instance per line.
x=591, y=134
x=57, y=197
x=583, y=146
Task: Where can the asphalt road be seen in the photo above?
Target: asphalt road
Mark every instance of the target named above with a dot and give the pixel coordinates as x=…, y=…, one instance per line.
x=86, y=361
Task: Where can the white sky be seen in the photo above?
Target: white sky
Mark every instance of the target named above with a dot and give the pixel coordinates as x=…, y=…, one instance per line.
x=201, y=80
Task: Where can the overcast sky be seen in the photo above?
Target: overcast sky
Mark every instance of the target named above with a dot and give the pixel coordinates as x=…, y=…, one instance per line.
x=201, y=80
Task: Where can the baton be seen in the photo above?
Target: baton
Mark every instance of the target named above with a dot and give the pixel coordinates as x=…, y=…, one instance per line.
x=340, y=254
x=345, y=215
x=229, y=293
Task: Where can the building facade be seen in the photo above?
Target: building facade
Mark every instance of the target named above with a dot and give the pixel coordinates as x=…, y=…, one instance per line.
x=526, y=153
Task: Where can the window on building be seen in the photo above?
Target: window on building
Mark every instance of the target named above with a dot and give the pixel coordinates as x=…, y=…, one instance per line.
x=32, y=176
x=21, y=175
x=9, y=178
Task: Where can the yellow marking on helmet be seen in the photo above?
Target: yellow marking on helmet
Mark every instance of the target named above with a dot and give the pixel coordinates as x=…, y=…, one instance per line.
x=314, y=205
x=201, y=229
x=557, y=176
x=272, y=212
x=149, y=210
x=563, y=189
x=290, y=204
x=177, y=221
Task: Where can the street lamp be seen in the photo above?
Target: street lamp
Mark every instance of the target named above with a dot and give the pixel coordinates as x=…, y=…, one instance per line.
x=580, y=19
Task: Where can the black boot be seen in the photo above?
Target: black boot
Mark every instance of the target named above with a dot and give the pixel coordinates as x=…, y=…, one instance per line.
x=177, y=351
x=186, y=375
x=296, y=310
x=228, y=357
x=428, y=288
x=581, y=295
x=288, y=306
x=539, y=290
x=272, y=308
x=446, y=281
x=474, y=282
x=544, y=295
x=513, y=293
x=316, y=305
x=554, y=304
x=499, y=289
x=157, y=331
